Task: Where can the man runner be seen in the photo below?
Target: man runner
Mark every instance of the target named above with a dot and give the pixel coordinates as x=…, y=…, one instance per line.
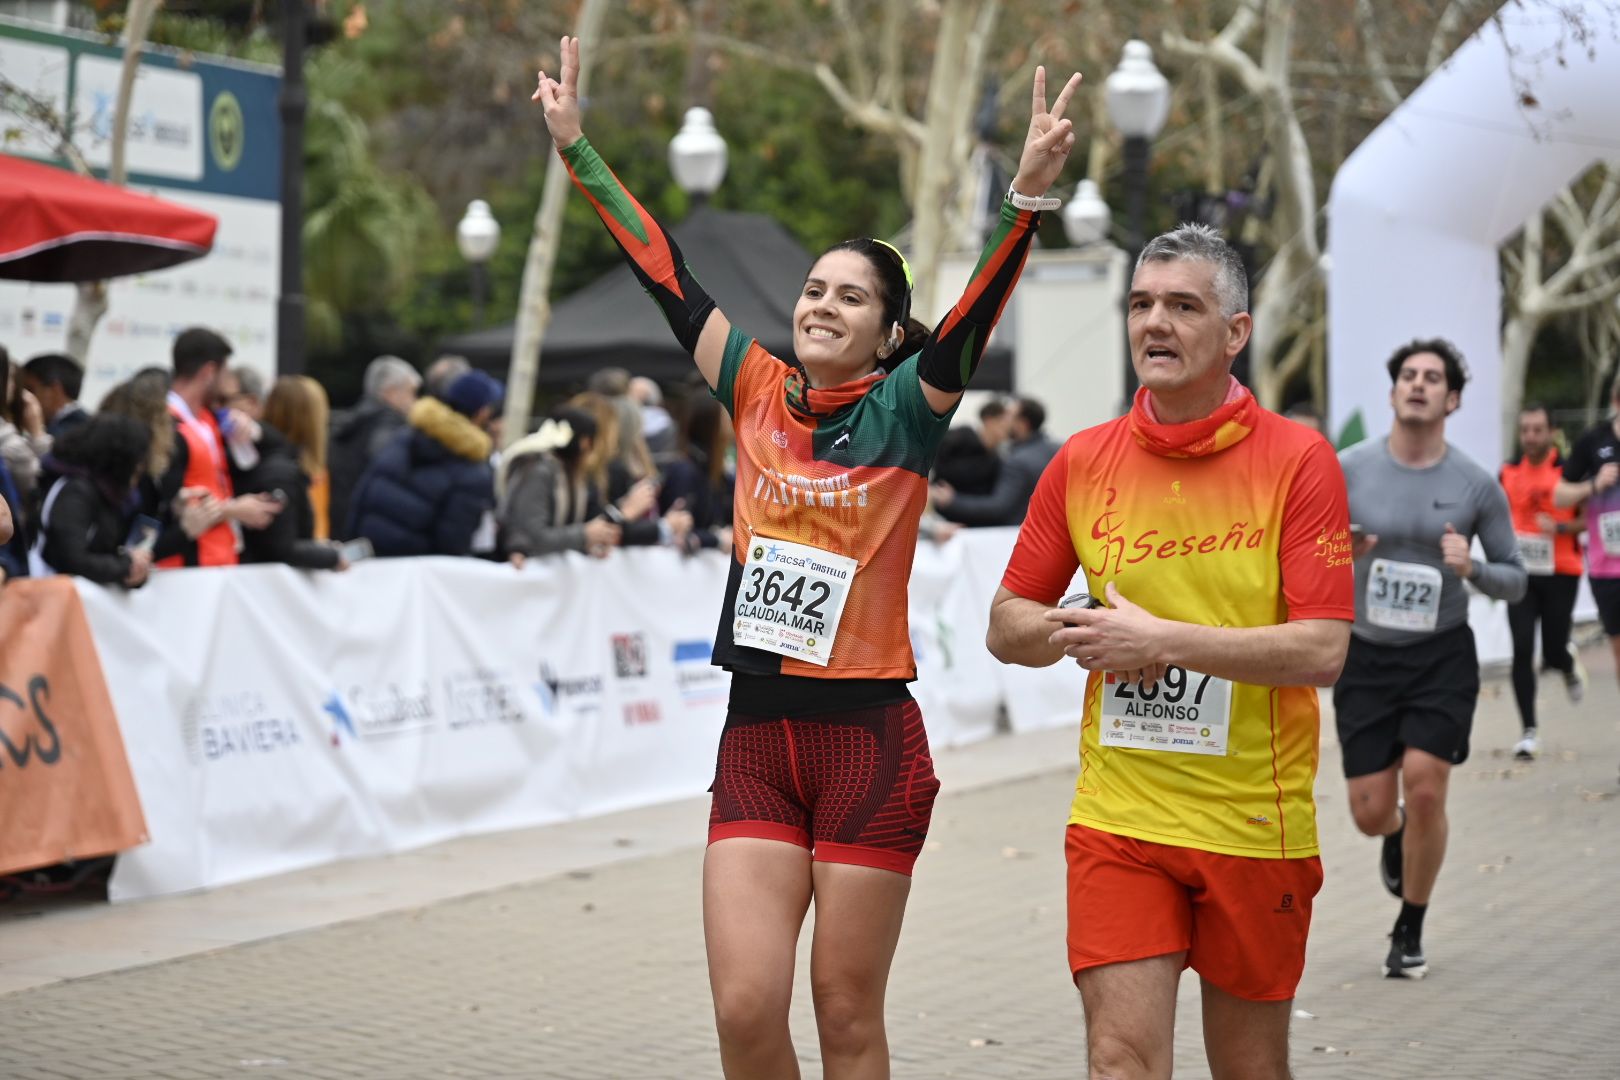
x=1219, y=534
x=1552, y=557
x=1592, y=477
x=1405, y=701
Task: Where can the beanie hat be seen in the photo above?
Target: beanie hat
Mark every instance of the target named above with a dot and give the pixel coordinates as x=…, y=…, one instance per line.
x=472, y=390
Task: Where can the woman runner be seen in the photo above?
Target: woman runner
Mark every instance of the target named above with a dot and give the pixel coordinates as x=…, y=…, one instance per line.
x=824, y=784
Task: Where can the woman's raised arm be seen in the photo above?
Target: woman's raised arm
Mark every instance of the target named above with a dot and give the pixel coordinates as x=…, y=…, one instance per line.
x=698, y=325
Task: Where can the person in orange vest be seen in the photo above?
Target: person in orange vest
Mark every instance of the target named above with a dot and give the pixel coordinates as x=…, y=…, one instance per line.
x=203, y=439
x=1547, y=540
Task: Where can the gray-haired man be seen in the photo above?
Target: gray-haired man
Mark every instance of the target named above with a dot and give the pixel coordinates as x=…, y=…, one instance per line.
x=391, y=386
x=1214, y=538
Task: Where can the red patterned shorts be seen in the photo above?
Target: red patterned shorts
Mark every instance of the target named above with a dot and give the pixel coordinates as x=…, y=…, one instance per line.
x=853, y=787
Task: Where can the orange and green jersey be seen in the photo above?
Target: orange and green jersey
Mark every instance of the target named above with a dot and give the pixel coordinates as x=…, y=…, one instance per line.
x=852, y=480
x=1247, y=525
x=843, y=469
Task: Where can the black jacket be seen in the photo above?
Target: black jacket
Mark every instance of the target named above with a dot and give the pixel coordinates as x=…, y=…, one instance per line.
x=290, y=536
x=14, y=552
x=429, y=488
x=358, y=436
x=687, y=479
x=86, y=529
x=1008, y=501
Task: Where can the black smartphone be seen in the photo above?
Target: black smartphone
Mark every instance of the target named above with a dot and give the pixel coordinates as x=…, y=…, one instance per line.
x=143, y=533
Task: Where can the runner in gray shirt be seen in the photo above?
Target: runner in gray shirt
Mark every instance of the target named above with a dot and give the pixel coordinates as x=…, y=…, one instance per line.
x=1409, y=511
x=1405, y=700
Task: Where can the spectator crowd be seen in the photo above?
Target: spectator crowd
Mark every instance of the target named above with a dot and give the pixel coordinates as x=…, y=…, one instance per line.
x=205, y=464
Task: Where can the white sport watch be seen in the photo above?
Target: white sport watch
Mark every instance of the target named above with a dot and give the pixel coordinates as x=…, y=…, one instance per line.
x=1031, y=202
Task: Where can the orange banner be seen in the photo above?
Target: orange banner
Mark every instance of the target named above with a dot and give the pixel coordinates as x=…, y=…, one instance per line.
x=65, y=787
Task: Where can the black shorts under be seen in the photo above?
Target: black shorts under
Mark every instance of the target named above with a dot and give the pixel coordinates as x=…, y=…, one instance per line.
x=1394, y=697
x=1606, y=591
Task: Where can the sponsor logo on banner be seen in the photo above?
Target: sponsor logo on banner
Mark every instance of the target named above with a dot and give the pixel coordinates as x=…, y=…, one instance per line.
x=630, y=655
x=701, y=683
x=638, y=713
x=582, y=694
x=227, y=131
x=480, y=697
x=26, y=730
x=379, y=712
x=237, y=724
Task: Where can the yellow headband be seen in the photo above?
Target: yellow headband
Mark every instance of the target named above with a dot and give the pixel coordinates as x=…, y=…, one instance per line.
x=905, y=267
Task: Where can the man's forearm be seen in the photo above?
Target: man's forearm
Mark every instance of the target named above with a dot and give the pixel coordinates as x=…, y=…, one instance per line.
x=1569, y=493
x=1020, y=633
x=1309, y=652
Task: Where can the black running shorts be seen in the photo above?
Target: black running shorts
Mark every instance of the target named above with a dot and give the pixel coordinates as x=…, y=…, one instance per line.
x=1394, y=697
x=1606, y=591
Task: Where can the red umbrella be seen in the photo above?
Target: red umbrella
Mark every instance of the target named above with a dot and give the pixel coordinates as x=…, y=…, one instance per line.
x=59, y=226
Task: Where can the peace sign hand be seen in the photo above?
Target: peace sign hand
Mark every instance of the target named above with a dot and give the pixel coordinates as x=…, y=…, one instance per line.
x=561, y=99
x=1050, y=138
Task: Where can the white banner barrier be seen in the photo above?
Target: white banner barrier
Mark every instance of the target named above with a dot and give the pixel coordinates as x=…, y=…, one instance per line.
x=276, y=720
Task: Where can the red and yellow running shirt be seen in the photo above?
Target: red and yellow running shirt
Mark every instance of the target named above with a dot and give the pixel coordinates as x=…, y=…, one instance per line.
x=1529, y=490
x=1248, y=527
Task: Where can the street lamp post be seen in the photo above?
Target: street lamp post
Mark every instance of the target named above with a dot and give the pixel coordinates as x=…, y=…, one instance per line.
x=1138, y=97
x=477, y=236
x=290, y=305
x=697, y=156
x=1086, y=217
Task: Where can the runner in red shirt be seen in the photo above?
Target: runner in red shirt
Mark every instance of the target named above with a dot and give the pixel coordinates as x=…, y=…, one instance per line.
x=1552, y=556
x=1215, y=541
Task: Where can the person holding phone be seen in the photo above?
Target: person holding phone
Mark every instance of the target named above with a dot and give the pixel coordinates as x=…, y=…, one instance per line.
x=824, y=786
x=1405, y=701
x=1214, y=538
x=87, y=516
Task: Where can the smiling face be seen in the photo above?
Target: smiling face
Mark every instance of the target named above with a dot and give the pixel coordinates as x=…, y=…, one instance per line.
x=1181, y=343
x=838, y=322
x=1420, y=395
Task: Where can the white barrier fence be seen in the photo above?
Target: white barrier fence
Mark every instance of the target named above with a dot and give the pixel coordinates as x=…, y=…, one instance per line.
x=276, y=720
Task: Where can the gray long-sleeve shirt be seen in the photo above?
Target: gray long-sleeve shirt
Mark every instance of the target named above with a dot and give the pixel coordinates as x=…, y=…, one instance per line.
x=1408, y=510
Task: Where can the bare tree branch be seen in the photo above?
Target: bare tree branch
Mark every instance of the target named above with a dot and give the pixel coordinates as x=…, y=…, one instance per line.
x=38, y=113
x=1563, y=305
x=1440, y=44
x=137, y=24
x=849, y=29
x=866, y=112
x=1367, y=25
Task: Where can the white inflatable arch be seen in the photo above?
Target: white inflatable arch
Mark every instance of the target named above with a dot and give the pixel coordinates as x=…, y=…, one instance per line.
x=1417, y=214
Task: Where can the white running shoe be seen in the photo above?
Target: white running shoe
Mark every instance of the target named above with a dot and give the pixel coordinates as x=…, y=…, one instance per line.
x=1528, y=747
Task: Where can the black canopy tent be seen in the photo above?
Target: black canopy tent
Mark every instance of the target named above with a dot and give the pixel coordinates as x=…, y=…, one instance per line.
x=749, y=263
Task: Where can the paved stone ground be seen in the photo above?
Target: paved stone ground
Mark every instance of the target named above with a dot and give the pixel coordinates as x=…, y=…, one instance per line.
x=599, y=974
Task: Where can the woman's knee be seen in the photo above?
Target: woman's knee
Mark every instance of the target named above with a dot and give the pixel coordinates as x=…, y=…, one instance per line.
x=848, y=1017
x=749, y=1014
